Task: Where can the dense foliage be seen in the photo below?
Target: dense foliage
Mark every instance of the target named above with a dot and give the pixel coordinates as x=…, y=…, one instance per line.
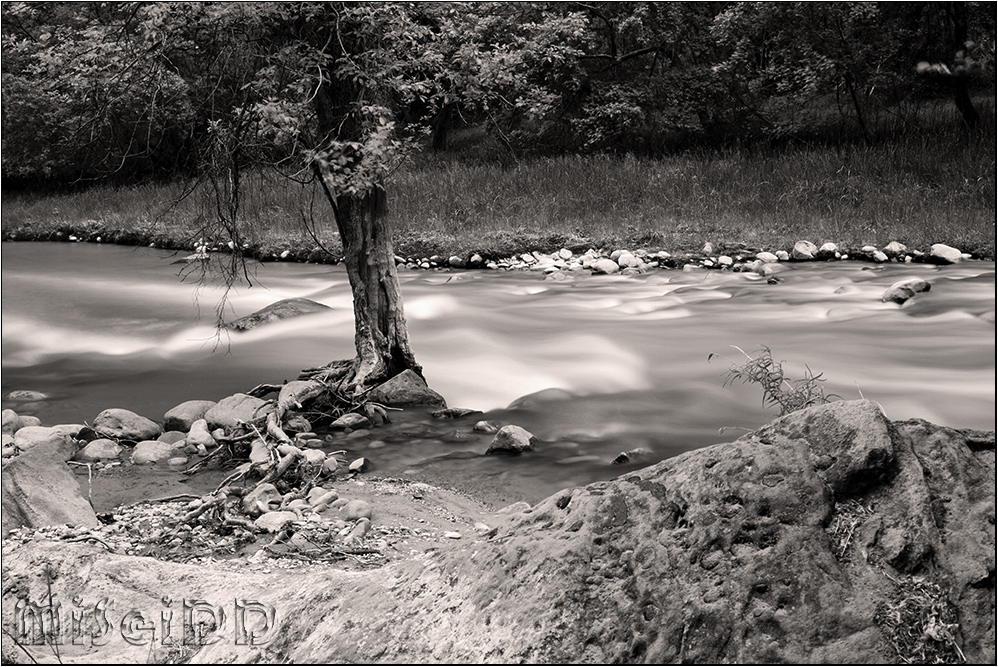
x=129, y=90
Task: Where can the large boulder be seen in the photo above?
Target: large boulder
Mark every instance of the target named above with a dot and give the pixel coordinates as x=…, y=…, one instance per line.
x=38, y=489
x=120, y=424
x=182, y=416
x=275, y=312
x=406, y=389
x=230, y=412
x=832, y=536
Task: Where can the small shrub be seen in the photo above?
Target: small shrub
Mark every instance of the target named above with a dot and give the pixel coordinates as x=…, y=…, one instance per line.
x=765, y=371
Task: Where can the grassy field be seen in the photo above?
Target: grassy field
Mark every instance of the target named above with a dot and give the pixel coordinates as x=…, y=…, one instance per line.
x=937, y=188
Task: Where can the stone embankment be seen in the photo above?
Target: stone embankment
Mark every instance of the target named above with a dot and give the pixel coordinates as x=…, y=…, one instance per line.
x=831, y=535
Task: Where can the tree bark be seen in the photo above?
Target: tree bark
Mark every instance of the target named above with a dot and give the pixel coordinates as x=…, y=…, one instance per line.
x=380, y=334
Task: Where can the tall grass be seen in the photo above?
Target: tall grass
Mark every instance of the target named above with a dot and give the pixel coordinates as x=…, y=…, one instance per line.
x=919, y=190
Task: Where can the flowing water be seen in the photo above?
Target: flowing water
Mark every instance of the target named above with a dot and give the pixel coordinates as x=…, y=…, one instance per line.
x=108, y=326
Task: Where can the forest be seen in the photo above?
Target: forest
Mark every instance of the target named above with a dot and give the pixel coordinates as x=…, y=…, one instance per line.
x=130, y=91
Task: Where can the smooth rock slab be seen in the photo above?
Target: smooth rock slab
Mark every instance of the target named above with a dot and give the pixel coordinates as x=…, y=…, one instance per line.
x=121, y=424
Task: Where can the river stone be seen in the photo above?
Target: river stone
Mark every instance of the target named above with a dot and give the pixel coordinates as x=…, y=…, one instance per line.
x=182, y=416
x=827, y=251
x=903, y=290
x=10, y=421
x=38, y=489
x=511, y=440
x=281, y=310
x=257, y=501
x=259, y=452
x=154, y=451
x=406, y=389
x=171, y=437
x=804, y=251
x=29, y=437
x=941, y=253
x=490, y=426
x=199, y=434
x=231, y=411
x=895, y=249
x=605, y=266
x=736, y=553
x=350, y=420
x=121, y=424
x=767, y=257
x=31, y=420
x=98, y=450
x=274, y=522
x=314, y=456
x=627, y=260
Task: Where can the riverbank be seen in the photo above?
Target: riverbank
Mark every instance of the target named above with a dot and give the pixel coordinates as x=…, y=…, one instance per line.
x=917, y=191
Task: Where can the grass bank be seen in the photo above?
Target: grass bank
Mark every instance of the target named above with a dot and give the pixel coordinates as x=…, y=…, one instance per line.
x=937, y=188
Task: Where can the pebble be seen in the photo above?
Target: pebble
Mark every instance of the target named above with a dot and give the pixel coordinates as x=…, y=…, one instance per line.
x=451, y=535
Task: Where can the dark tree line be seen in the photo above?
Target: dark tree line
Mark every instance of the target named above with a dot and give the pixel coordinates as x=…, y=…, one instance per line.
x=154, y=89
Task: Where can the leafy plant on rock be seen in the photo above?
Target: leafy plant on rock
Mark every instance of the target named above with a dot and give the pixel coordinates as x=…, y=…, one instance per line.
x=778, y=390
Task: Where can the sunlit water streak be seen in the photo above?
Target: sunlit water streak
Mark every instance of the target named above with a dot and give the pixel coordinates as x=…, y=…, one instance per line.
x=108, y=326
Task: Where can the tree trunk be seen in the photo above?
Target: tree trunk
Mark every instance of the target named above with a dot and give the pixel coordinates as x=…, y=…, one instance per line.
x=961, y=93
x=381, y=337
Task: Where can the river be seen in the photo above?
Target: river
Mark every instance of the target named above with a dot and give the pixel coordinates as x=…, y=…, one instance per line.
x=96, y=326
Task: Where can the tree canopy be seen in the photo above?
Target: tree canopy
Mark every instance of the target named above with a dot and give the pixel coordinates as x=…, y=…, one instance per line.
x=137, y=89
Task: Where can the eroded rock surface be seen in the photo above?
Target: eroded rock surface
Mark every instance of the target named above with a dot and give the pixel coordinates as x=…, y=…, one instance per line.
x=800, y=542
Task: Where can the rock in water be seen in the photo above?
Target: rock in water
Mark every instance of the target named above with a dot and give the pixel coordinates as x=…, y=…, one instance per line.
x=511, y=440
x=282, y=310
x=120, y=424
x=903, y=290
x=406, y=390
